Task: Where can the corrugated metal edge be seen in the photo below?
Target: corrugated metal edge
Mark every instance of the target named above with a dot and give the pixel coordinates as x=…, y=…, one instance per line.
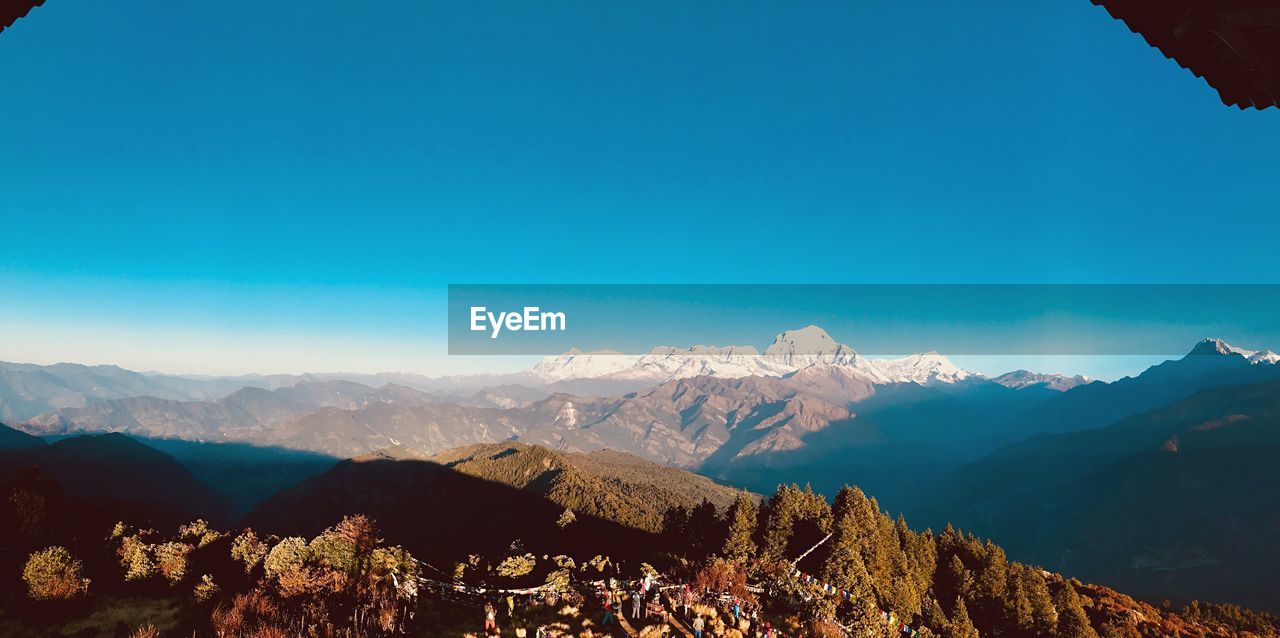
x=25, y=7
x=1229, y=100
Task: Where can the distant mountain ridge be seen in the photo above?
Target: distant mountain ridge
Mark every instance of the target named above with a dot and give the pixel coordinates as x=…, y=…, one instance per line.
x=113, y=467
x=831, y=408
x=1175, y=502
x=1210, y=363
x=790, y=351
x=236, y=416
x=1026, y=378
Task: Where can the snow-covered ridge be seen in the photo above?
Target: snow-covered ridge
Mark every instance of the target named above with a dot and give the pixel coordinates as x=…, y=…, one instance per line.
x=790, y=351
x=1019, y=379
x=1217, y=346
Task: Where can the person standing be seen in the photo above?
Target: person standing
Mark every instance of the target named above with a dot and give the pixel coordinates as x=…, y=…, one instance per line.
x=698, y=625
x=636, y=603
x=608, y=614
x=490, y=617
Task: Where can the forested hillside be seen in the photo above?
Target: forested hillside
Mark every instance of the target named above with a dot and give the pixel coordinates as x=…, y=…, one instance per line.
x=490, y=528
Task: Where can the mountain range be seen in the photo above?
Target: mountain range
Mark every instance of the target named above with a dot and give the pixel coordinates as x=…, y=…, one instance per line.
x=1051, y=465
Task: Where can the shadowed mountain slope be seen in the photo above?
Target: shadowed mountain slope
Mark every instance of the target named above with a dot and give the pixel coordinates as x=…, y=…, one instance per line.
x=113, y=467
x=1175, y=502
x=11, y=439
x=484, y=498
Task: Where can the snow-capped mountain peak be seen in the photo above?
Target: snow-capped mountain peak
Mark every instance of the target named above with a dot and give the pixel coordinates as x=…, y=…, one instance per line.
x=921, y=368
x=1264, y=357
x=790, y=351
x=1216, y=346
x=1019, y=379
x=807, y=340
x=576, y=364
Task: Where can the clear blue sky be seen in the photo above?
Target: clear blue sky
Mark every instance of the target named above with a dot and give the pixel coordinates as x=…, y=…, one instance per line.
x=243, y=186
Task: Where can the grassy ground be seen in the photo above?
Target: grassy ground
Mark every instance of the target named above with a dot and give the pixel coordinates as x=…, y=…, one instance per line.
x=104, y=618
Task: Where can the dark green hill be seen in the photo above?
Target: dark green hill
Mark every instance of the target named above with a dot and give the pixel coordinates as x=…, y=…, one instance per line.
x=1178, y=502
x=11, y=439
x=483, y=498
x=115, y=468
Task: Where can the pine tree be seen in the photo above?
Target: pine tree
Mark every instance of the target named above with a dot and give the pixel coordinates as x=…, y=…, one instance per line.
x=1044, y=618
x=843, y=568
x=742, y=526
x=961, y=626
x=956, y=580
x=1072, y=621
x=1017, y=606
x=989, y=585
x=675, y=527
x=706, y=530
x=843, y=565
x=934, y=618
x=782, y=510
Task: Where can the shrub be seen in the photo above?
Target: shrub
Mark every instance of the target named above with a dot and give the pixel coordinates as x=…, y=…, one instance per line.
x=54, y=574
x=145, y=631
x=135, y=557
x=517, y=566
x=289, y=554
x=385, y=562
x=206, y=589
x=248, y=549
x=566, y=519
x=171, y=559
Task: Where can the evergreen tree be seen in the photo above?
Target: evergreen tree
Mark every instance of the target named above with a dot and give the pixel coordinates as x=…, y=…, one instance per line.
x=706, y=530
x=934, y=618
x=989, y=585
x=782, y=510
x=1073, y=622
x=961, y=626
x=843, y=568
x=956, y=581
x=1017, y=606
x=922, y=552
x=675, y=528
x=742, y=517
x=1044, y=617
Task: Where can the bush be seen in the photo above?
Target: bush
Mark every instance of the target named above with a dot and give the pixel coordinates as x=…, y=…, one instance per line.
x=248, y=549
x=517, y=566
x=135, y=557
x=54, y=574
x=145, y=631
x=206, y=589
x=171, y=558
x=289, y=554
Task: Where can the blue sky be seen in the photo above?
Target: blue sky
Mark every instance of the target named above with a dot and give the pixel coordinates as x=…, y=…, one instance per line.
x=230, y=187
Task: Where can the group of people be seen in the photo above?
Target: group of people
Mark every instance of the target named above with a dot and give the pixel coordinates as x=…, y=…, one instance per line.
x=508, y=601
x=642, y=601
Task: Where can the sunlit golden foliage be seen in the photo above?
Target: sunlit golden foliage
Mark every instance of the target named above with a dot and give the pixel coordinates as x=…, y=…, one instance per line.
x=171, y=560
x=249, y=550
x=54, y=574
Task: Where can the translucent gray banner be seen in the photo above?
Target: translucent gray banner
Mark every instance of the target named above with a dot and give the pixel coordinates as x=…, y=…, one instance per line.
x=1052, y=319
